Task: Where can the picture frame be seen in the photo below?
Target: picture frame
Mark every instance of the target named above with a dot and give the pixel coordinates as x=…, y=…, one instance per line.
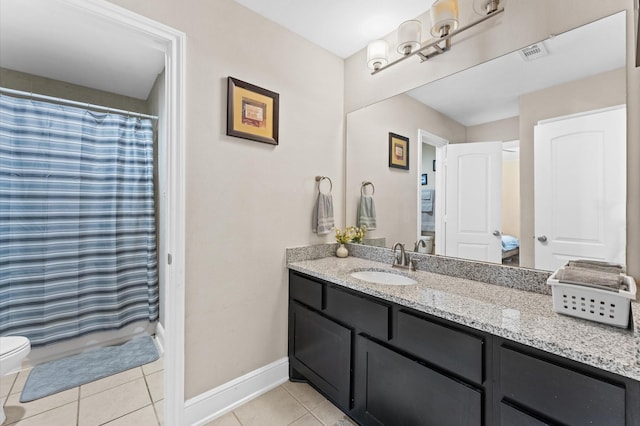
x=252, y=112
x=398, y=151
x=423, y=179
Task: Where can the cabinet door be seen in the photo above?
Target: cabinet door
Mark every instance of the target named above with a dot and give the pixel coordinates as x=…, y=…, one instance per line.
x=453, y=350
x=321, y=351
x=397, y=391
x=511, y=416
x=559, y=393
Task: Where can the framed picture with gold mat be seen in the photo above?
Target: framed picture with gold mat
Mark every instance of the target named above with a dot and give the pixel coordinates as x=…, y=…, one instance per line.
x=252, y=112
x=398, y=151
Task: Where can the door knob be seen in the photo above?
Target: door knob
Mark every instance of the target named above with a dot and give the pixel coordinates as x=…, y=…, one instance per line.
x=496, y=233
x=542, y=238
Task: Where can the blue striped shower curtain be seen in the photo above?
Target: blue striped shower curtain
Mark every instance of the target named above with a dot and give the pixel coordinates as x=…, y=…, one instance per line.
x=77, y=221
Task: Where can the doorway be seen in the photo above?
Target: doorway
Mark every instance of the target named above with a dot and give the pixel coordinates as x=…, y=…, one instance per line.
x=171, y=134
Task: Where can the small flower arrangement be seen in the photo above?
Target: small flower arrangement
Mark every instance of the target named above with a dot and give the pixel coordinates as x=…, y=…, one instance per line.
x=350, y=234
x=358, y=233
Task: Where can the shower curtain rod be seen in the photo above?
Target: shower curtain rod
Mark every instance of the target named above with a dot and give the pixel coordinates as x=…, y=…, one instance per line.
x=76, y=103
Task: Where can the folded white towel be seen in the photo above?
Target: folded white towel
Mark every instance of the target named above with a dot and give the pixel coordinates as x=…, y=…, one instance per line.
x=322, y=219
x=366, y=213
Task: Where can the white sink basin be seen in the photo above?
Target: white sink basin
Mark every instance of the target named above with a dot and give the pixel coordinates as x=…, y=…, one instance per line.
x=383, y=277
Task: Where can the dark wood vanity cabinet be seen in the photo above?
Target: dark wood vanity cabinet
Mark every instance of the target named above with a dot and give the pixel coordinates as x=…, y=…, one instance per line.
x=386, y=364
x=537, y=388
x=395, y=389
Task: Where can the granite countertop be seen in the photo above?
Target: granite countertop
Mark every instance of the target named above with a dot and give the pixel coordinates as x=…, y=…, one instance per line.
x=522, y=316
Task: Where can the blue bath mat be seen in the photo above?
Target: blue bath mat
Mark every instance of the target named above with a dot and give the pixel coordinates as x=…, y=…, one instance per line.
x=66, y=373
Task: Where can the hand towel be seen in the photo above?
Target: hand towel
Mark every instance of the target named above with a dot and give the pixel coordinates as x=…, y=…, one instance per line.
x=366, y=212
x=427, y=200
x=322, y=219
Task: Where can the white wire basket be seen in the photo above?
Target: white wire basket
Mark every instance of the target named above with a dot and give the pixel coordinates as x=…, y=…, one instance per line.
x=608, y=307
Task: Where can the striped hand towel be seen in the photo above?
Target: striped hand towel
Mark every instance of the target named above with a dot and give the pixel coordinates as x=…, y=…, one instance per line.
x=322, y=219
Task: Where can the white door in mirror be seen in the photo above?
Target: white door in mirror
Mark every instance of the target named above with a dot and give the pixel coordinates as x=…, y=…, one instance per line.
x=474, y=201
x=580, y=188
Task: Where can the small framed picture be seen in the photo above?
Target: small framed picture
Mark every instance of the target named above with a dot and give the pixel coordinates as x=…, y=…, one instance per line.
x=434, y=165
x=398, y=151
x=423, y=178
x=252, y=112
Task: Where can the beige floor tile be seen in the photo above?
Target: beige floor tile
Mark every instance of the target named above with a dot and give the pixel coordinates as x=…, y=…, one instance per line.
x=329, y=415
x=305, y=394
x=6, y=382
x=155, y=383
x=18, y=385
x=15, y=410
x=227, y=420
x=274, y=408
x=110, y=382
x=113, y=403
x=307, y=420
x=143, y=417
x=159, y=407
x=154, y=366
x=61, y=416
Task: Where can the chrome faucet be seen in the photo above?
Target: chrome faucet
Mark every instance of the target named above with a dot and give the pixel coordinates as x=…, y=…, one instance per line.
x=401, y=260
x=418, y=244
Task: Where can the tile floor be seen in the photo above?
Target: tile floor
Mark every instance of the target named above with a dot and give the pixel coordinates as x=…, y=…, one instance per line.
x=133, y=397
x=294, y=404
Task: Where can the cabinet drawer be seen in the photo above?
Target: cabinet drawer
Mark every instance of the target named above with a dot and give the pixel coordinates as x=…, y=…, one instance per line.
x=305, y=290
x=358, y=312
x=396, y=390
x=560, y=393
x=322, y=352
x=511, y=416
x=453, y=350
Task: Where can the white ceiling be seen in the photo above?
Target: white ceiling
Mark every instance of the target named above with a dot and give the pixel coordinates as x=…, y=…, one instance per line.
x=52, y=39
x=340, y=26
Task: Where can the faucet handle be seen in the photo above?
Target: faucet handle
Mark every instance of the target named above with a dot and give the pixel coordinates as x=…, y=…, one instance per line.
x=414, y=263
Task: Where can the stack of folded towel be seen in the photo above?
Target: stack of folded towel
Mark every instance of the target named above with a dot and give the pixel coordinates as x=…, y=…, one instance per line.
x=590, y=273
x=322, y=219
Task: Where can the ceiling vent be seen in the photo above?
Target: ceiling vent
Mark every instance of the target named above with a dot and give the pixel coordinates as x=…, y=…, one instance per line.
x=533, y=52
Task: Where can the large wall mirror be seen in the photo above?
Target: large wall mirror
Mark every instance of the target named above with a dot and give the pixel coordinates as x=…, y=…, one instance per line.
x=520, y=160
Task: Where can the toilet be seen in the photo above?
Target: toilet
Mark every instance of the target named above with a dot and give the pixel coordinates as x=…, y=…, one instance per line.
x=13, y=349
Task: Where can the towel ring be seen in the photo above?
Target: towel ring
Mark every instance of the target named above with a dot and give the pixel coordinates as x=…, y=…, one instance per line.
x=319, y=179
x=365, y=183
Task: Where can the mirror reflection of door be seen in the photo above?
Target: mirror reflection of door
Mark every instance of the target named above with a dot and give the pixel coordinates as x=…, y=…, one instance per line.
x=473, y=226
x=580, y=188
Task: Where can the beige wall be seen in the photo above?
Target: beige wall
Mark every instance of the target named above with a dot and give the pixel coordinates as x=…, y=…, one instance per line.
x=511, y=197
x=600, y=91
x=247, y=201
x=504, y=130
x=45, y=86
x=523, y=23
x=367, y=155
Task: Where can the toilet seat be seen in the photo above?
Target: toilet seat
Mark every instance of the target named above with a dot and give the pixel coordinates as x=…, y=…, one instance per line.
x=11, y=345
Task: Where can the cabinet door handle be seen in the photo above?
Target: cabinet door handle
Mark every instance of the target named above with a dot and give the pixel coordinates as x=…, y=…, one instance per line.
x=542, y=238
x=496, y=233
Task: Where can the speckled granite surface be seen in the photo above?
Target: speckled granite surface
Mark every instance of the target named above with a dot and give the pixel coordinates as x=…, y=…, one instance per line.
x=522, y=316
x=520, y=278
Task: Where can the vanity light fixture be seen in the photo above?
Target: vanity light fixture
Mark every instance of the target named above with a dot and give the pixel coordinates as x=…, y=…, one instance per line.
x=444, y=18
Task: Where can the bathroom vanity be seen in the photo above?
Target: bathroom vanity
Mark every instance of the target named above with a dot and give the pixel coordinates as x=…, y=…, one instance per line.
x=452, y=351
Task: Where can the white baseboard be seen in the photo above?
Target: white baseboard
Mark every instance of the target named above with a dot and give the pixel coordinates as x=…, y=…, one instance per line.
x=160, y=338
x=216, y=402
